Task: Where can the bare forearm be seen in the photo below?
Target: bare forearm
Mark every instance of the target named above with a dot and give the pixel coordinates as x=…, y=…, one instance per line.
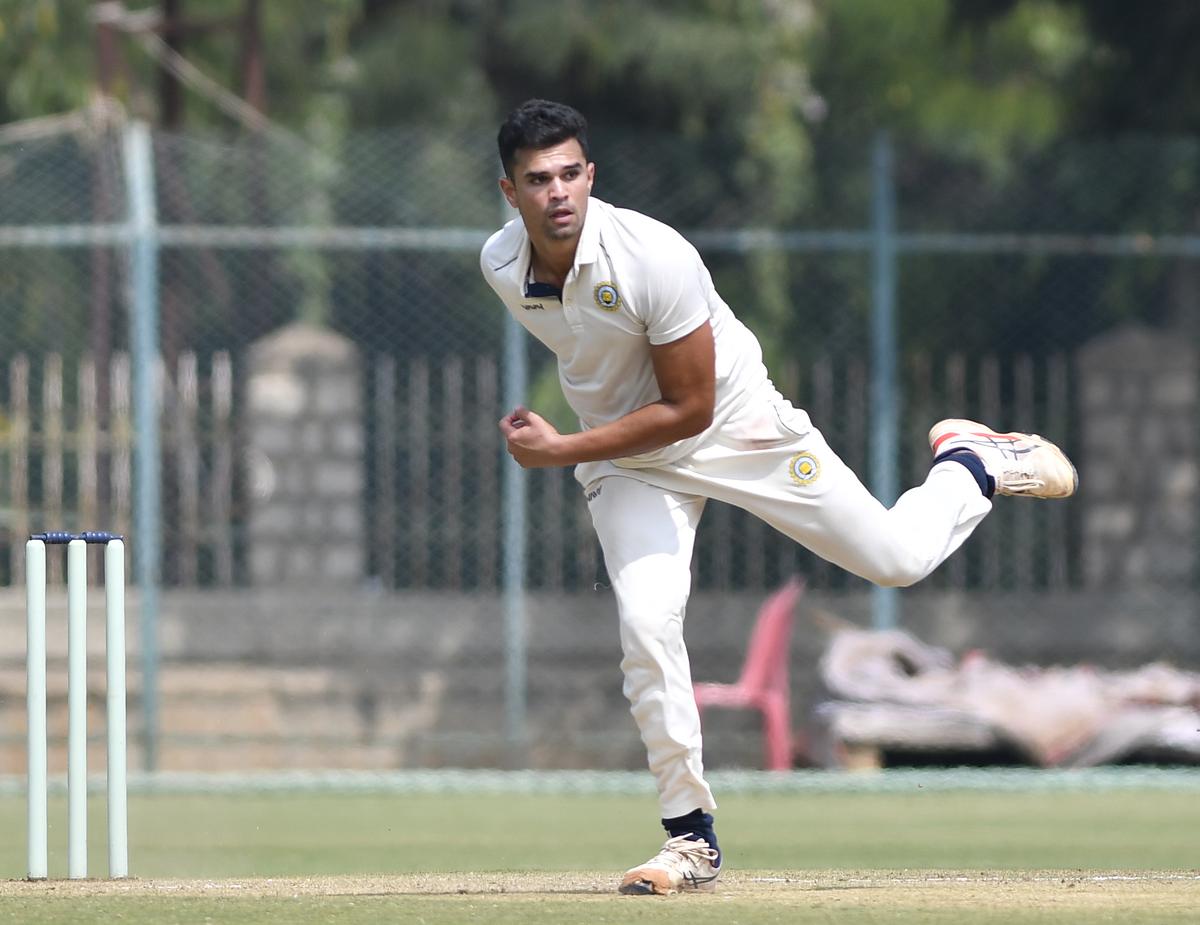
x=648, y=428
x=684, y=371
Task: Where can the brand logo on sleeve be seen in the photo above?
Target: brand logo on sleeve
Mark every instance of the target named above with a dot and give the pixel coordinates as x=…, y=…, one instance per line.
x=607, y=297
x=804, y=468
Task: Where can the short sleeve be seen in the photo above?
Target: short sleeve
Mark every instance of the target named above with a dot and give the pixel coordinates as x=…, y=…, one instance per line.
x=678, y=301
x=489, y=257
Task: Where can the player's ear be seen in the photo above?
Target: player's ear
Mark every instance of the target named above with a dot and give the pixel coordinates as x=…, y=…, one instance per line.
x=509, y=190
x=591, y=175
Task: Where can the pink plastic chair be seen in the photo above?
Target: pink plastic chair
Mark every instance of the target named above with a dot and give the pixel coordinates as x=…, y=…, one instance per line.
x=764, y=683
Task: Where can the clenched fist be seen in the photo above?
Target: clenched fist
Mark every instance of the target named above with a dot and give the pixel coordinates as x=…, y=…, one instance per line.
x=532, y=440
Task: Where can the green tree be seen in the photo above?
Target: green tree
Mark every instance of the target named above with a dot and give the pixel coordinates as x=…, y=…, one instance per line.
x=721, y=113
x=46, y=64
x=1140, y=71
x=1138, y=81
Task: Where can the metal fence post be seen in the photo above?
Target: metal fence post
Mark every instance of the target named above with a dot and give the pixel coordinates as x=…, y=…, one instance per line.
x=514, y=505
x=885, y=398
x=143, y=339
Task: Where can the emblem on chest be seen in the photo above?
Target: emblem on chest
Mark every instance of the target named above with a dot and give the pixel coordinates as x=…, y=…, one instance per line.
x=606, y=296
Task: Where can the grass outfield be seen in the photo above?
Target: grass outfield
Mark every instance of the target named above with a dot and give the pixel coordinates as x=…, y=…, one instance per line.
x=948, y=856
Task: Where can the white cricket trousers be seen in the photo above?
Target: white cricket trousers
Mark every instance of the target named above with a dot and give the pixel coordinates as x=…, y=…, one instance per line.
x=646, y=521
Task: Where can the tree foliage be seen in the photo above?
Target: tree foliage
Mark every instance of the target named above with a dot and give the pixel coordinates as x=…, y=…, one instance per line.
x=46, y=61
x=717, y=113
x=1136, y=69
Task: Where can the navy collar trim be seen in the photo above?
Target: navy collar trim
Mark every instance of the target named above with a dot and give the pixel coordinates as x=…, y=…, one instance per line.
x=542, y=291
x=536, y=290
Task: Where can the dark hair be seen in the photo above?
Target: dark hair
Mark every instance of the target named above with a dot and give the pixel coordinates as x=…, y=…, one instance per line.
x=540, y=124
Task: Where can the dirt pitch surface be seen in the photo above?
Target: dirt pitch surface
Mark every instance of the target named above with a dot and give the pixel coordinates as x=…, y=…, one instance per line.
x=929, y=889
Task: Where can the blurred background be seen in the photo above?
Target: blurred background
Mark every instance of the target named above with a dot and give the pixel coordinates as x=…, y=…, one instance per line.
x=242, y=322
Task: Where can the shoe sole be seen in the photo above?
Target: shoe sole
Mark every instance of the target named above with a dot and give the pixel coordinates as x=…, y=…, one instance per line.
x=963, y=427
x=658, y=883
x=642, y=888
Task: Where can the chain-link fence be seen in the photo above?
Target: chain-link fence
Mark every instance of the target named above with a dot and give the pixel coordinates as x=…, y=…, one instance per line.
x=330, y=365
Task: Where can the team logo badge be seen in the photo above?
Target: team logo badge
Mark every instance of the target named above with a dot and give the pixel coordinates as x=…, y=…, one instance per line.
x=804, y=468
x=607, y=297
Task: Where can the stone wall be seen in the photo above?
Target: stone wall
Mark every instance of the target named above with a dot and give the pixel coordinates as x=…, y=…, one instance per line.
x=1139, y=460
x=314, y=678
x=305, y=445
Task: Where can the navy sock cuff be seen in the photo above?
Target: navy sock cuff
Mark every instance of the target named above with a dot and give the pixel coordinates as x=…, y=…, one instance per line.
x=974, y=465
x=684, y=825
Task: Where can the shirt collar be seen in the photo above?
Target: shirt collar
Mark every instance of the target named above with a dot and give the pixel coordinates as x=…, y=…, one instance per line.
x=589, y=237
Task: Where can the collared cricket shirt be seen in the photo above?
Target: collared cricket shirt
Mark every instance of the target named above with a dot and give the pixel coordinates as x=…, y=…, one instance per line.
x=635, y=282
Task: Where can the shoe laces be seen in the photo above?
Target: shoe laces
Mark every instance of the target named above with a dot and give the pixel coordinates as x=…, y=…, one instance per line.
x=1017, y=480
x=1023, y=450
x=680, y=850
x=1026, y=478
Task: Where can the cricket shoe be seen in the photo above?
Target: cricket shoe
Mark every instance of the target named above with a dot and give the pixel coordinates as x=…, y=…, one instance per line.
x=1021, y=464
x=682, y=865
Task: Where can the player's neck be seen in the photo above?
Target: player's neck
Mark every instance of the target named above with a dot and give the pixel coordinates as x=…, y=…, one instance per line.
x=552, y=261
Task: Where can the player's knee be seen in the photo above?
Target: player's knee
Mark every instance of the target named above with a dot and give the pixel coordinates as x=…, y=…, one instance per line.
x=644, y=663
x=651, y=635
x=650, y=630
x=896, y=580
x=899, y=573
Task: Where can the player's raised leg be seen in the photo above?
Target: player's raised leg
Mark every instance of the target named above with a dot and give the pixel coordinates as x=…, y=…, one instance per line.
x=808, y=493
x=842, y=522
x=804, y=490
x=892, y=547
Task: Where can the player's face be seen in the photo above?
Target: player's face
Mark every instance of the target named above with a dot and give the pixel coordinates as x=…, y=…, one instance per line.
x=550, y=188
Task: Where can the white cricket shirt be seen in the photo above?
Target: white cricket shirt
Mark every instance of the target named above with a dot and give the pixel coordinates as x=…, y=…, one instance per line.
x=635, y=282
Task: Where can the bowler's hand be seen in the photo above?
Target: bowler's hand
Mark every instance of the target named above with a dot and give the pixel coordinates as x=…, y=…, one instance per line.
x=532, y=440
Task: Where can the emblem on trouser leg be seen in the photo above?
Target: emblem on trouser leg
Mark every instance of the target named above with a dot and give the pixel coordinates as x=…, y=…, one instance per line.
x=804, y=468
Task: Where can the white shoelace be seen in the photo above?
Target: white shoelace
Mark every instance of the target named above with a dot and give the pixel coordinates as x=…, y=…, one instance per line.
x=1016, y=480
x=684, y=850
